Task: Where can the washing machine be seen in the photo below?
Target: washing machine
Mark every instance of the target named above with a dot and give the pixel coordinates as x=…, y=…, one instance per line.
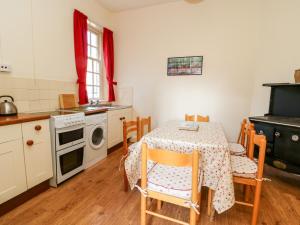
x=96, y=138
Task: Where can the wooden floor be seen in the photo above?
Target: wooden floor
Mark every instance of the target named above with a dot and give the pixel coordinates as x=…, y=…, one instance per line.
x=96, y=197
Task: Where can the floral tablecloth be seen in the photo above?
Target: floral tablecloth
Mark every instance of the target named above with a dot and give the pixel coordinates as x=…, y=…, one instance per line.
x=210, y=140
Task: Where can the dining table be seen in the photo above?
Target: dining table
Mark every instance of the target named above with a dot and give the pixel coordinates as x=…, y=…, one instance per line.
x=212, y=143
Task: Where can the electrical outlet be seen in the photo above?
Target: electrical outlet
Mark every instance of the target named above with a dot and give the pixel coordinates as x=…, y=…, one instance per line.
x=5, y=68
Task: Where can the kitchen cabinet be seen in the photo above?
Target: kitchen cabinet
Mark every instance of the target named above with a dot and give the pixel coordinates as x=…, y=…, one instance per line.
x=115, y=125
x=25, y=157
x=37, y=152
x=12, y=168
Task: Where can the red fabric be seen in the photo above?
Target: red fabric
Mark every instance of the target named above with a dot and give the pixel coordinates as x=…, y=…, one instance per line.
x=108, y=53
x=80, y=46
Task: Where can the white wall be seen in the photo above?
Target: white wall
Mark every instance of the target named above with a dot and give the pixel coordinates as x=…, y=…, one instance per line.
x=37, y=36
x=224, y=32
x=278, y=54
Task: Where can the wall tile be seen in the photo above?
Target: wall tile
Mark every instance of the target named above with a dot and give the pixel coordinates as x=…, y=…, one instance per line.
x=20, y=94
x=34, y=106
x=35, y=95
x=22, y=106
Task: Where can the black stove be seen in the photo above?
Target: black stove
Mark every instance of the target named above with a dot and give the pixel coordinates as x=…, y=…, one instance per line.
x=281, y=126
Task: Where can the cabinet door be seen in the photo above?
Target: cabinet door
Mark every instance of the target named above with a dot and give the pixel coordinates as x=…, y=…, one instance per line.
x=12, y=170
x=127, y=113
x=114, y=128
x=287, y=144
x=37, y=152
x=115, y=125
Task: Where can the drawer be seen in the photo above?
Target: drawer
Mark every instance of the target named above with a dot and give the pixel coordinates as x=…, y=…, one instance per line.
x=37, y=131
x=10, y=133
x=265, y=129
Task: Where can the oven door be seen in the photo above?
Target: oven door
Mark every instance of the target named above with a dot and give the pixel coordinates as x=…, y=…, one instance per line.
x=67, y=137
x=70, y=161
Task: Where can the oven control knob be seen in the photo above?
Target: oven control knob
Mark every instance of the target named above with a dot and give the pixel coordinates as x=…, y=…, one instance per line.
x=277, y=134
x=295, y=138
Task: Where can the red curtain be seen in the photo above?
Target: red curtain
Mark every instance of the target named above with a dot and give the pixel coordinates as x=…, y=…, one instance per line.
x=108, y=53
x=80, y=46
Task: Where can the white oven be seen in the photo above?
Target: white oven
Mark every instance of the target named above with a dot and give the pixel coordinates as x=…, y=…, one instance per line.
x=68, y=145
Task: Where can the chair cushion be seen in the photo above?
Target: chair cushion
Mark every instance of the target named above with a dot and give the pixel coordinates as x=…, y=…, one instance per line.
x=242, y=166
x=170, y=180
x=236, y=149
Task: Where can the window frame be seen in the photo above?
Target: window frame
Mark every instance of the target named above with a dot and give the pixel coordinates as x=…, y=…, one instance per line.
x=98, y=32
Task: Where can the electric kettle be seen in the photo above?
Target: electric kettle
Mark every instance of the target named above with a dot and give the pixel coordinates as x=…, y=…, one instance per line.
x=7, y=108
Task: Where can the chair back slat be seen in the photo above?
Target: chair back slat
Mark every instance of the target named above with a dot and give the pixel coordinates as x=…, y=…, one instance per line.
x=170, y=158
x=145, y=122
x=261, y=142
x=131, y=130
x=202, y=118
x=189, y=117
x=249, y=143
x=128, y=128
x=242, y=134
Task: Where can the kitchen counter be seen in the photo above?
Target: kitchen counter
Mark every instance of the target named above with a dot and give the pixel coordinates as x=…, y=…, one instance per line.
x=22, y=118
x=27, y=117
x=89, y=110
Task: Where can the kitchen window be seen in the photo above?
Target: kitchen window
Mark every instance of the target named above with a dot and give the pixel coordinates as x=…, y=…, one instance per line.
x=94, y=64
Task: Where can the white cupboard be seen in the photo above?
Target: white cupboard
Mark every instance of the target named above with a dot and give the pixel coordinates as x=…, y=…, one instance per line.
x=37, y=152
x=115, y=125
x=12, y=170
x=25, y=157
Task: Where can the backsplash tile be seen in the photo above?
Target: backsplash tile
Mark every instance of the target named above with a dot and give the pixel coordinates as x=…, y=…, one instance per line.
x=35, y=95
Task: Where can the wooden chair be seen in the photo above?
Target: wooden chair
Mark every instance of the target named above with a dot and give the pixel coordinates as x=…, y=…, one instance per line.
x=145, y=122
x=202, y=118
x=165, y=167
x=189, y=117
x=129, y=127
x=240, y=148
x=247, y=172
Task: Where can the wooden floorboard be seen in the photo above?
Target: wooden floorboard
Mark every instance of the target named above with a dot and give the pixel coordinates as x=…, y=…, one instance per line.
x=96, y=196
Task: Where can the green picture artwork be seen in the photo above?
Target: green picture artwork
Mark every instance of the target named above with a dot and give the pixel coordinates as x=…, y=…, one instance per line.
x=189, y=65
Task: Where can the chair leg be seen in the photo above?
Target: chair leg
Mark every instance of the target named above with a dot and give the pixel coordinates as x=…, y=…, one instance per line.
x=193, y=217
x=143, y=209
x=256, y=202
x=126, y=184
x=209, y=201
x=247, y=193
x=159, y=204
x=199, y=203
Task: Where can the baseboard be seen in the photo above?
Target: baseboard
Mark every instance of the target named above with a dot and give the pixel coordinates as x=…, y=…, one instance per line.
x=114, y=148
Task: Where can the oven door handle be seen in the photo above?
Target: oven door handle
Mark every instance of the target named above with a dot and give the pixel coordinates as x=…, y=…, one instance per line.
x=67, y=129
x=70, y=149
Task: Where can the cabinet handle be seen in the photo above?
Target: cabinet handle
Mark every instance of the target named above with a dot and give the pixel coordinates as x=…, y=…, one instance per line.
x=295, y=138
x=30, y=142
x=122, y=118
x=38, y=127
x=277, y=134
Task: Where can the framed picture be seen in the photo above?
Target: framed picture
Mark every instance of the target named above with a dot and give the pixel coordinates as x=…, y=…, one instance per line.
x=182, y=66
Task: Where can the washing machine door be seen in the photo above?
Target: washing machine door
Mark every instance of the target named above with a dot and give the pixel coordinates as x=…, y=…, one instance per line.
x=96, y=137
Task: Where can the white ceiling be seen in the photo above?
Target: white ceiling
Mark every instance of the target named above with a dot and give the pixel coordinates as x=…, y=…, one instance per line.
x=121, y=5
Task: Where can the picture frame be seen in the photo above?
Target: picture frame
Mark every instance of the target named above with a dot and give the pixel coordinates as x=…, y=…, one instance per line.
x=185, y=66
